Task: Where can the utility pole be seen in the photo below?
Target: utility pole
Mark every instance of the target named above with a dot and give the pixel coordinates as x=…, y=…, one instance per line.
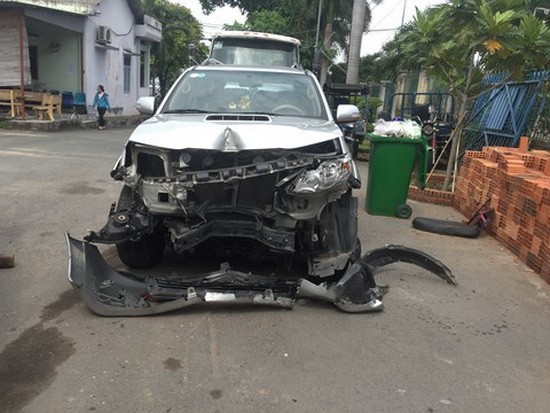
x=318, y=25
x=403, y=15
x=356, y=37
x=317, y=58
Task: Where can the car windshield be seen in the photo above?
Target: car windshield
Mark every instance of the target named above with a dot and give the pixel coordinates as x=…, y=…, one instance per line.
x=241, y=91
x=252, y=52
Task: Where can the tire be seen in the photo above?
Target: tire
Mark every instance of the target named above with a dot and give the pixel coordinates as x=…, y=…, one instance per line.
x=145, y=253
x=443, y=227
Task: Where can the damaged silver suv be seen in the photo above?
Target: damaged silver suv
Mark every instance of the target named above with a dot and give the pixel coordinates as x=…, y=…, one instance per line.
x=244, y=157
x=235, y=152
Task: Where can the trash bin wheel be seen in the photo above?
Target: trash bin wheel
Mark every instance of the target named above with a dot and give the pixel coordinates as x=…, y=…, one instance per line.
x=404, y=211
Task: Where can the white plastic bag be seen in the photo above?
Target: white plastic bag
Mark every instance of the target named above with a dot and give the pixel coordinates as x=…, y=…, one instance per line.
x=397, y=129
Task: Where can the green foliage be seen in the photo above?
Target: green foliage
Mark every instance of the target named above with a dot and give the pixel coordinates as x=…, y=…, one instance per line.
x=337, y=73
x=246, y=6
x=180, y=28
x=374, y=103
x=297, y=18
x=377, y=67
x=487, y=35
x=267, y=21
x=236, y=26
x=460, y=41
x=286, y=17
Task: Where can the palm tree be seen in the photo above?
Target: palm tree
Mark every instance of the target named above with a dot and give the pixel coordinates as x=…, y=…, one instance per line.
x=362, y=15
x=336, y=21
x=487, y=36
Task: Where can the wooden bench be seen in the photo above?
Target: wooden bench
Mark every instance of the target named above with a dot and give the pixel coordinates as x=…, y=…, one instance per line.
x=11, y=98
x=32, y=99
x=35, y=99
x=48, y=105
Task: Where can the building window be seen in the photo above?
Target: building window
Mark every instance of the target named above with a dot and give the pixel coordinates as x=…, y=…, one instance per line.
x=33, y=57
x=144, y=66
x=142, y=57
x=127, y=72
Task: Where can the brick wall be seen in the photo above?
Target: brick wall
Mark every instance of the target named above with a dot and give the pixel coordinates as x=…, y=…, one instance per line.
x=518, y=186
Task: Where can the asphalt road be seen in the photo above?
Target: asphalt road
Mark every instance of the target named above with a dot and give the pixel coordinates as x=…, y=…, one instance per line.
x=479, y=347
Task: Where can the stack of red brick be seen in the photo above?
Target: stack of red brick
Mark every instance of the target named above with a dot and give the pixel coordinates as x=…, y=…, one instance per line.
x=517, y=183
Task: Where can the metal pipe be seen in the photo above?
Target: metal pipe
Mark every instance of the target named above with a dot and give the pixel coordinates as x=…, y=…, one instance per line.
x=403, y=16
x=317, y=33
x=21, y=23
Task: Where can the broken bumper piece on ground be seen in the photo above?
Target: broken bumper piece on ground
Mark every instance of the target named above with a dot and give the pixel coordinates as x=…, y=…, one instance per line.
x=108, y=292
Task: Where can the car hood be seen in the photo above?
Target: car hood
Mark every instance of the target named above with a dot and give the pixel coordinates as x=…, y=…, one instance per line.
x=194, y=132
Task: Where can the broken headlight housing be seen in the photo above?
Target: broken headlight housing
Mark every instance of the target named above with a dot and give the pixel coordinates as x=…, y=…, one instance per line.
x=328, y=175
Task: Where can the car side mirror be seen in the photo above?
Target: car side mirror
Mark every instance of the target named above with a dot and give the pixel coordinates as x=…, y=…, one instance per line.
x=146, y=105
x=347, y=114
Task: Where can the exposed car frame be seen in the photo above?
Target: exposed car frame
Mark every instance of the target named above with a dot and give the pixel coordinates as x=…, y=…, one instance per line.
x=282, y=180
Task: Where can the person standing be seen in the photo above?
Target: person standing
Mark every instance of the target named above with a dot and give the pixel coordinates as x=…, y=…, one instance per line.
x=101, y=102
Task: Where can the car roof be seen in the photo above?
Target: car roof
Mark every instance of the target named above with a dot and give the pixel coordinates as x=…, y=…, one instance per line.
x=234, y=34
x=263, y=69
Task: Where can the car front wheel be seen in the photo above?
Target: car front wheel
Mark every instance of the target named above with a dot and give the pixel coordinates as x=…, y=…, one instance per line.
x=147, y=251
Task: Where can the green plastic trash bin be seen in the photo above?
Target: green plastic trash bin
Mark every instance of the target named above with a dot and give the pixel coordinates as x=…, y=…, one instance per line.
x=392, y=161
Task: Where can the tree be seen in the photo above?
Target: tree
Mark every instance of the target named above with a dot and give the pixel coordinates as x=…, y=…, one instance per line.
x=287, y=17
x=298, y=18
x=246, y=6
x=335, y=20
x=360, y=23
x=486, y=36
x=266, y=21
x=179, y=29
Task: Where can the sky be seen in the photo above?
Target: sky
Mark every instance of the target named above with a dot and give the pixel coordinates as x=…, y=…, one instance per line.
x=387, y=15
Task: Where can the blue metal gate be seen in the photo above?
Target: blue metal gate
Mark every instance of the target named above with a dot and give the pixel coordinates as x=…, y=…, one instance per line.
x=501, y=114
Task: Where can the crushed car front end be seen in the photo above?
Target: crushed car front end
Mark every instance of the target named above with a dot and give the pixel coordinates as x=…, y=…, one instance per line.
x=281, y=177
x=248, y=160
x=291, y=200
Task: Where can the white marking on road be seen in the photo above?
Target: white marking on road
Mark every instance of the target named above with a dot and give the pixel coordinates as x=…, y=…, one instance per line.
x=19, y=153
x=13, y=134
x=45, y=154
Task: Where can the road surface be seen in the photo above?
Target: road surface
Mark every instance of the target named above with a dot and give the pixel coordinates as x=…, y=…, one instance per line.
x=481, y=346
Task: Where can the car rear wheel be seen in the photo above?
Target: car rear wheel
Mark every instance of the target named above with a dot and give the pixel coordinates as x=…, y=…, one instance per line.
x=146, y=252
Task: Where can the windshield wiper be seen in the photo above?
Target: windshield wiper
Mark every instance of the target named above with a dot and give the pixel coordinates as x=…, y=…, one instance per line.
x=186, y=111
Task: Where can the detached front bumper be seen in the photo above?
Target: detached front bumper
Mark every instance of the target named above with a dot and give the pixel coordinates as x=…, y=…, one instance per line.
x=108, y=292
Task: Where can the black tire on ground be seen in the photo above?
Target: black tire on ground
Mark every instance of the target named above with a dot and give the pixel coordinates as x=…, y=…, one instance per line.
x=440, y=226
x=403, y=211
x=145, y=253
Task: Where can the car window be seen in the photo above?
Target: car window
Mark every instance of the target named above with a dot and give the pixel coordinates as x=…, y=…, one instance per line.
x=211, y=91
x=251, y=52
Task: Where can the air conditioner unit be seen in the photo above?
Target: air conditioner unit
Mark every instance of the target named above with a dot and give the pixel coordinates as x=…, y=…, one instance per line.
x=103, y=35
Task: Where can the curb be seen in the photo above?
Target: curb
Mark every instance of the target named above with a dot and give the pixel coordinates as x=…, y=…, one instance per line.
x=113, y=122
